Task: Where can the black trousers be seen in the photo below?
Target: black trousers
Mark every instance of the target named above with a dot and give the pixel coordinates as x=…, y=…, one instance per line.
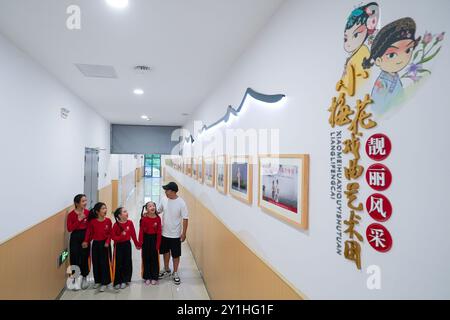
x=79, y=256
x=150, y=258
x=101, y=262
x=123, y=264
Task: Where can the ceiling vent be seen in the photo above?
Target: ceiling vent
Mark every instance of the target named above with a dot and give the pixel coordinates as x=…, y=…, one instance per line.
x=97, y=71
x=142, y=69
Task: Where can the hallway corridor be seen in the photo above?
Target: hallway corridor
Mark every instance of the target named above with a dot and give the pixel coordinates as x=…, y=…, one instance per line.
x=295, y=150
x=191, y=287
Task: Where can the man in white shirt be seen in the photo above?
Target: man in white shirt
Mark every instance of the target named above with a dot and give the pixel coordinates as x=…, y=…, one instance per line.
x=174, y=227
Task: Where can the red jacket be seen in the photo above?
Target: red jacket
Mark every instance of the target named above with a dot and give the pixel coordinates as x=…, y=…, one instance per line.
x=74, y=224
x=130, y=233
x=150, y=226
x=99, y=231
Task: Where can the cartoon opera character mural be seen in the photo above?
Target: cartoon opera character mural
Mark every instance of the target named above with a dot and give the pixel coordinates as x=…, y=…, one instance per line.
x=360, y=27
x=393, y=51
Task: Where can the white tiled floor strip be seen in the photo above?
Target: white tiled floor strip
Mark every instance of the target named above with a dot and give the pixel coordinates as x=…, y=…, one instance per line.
x=191, y=287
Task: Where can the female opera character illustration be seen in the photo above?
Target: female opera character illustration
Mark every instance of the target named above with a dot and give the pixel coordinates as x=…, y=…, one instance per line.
x=361, y=24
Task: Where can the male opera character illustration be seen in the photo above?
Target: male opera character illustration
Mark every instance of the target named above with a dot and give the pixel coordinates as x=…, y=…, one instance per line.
x=391, y=51
x=361, y=24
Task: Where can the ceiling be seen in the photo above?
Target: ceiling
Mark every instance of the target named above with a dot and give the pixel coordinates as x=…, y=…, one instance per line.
x=189, y=44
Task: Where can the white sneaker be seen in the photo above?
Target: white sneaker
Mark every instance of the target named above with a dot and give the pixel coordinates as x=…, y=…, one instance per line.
x=164, y=274
x=102, y=288
x=77, y=284
x=97, y=285
x=123, y=286
x=72, y=283
x=176, y=278
x=84, y=283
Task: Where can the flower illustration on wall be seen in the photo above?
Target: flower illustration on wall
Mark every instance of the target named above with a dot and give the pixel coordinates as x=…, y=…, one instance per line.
x=429, y=49
x=404, y=61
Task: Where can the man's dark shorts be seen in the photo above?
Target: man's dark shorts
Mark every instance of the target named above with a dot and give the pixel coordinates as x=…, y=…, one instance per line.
x=172, y=245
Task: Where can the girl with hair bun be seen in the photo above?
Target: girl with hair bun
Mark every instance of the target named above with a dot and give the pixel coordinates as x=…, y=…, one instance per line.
x=361, y=24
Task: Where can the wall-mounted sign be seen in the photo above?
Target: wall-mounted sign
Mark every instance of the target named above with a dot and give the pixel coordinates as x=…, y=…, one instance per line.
x=63, y=257
x=379, y=238
x=379, y=207
x=378, y=147
x=392, y=61
x=379, y=177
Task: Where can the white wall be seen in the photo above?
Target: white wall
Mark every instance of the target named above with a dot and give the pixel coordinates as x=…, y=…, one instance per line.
x=42, y=158
x=300, y=53
x=129, y=164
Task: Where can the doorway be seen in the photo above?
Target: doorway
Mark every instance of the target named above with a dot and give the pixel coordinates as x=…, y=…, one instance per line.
x=91, y=159
x=152, y=166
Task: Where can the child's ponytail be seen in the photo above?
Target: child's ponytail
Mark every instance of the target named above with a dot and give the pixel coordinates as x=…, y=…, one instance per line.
x=93, y=214
x=116, y=216
x=142, y=213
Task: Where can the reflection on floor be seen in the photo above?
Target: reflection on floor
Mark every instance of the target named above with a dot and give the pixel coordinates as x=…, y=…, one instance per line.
x=191, y=287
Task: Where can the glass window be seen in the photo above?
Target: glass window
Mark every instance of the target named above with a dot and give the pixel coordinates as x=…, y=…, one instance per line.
x=152, y=166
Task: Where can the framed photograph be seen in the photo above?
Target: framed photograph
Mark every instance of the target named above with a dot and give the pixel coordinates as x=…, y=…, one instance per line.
x=221, y=174
x=176, y=162
x=283, y=187
x=209, y=171
x=188, y=166
x=183, y=165
x=195, y=168
x=241, y=178
x=200, y=171
x=169, y=163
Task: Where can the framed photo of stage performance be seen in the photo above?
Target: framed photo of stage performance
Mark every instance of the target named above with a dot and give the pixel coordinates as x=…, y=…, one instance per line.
x=209, y=171
x=241, y=178
x=221, y=174
x=283, y=187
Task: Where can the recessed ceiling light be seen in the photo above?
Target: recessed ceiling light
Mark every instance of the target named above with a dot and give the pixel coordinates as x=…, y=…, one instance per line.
x=144, y=117
x=138, y=92
x=118, y=4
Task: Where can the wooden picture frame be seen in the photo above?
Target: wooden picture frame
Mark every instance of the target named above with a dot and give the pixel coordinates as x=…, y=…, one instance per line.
x=221, y=179
x=190, y=165
x=187, y=166
x=195, y=169
x=209, y=171
x=240, y=178
x=200, y=170
x=283, y=187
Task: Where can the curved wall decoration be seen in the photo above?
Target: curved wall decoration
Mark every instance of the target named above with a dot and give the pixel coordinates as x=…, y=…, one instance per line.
x=235, y=112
